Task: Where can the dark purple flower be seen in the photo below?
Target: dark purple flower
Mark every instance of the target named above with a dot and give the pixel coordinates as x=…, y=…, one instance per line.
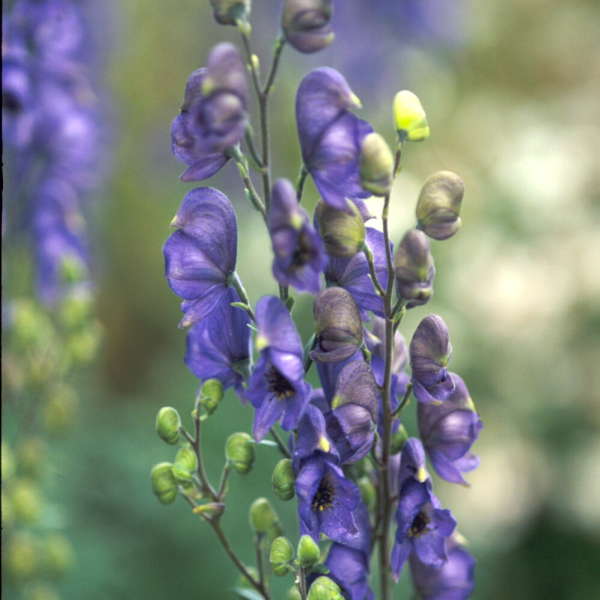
x=219, y=347
x=312, y=437
x=449, y=430
x=423, y=527
x=414, y=269
x=331, y=136
x=454, y=580
x=307, y=24
x=18, y=116
x=200, y=256
x=299, y=253
x=430, y=350
x=329, y=372
x=276, y=387
x=412, y=464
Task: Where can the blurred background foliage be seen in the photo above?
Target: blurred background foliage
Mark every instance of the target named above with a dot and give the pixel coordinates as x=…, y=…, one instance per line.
x=511, y=89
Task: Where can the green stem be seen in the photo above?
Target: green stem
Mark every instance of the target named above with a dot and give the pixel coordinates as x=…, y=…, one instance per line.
x=201, y=471
x=300, y=182
x=280, y=443
x=242, y=166
x=260, y=567
x=302, y=583
x=241, y=290
x=223, y=482
x=404, y=400
x=252, y=149
x=371, y=261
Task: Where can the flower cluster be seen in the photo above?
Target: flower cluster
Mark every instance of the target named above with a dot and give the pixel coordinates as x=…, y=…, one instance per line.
x=348, y=459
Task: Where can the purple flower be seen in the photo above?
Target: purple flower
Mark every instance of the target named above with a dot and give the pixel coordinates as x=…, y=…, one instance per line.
x=430, y=350
x=331, y=136
x=200, y=256
x=329, y=372
x=18, y=116
x=299, y=253
x=423, y=526
x=276, y=387
x=306, y=24
x=414, y=269
x=312, y=437
x=449, y=430
x=219, y=347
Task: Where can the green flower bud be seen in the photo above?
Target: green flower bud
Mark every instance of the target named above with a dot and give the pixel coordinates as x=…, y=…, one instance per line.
x=283, y=479
x=410, y=117
x=26, y=501
x=168, y=424
x=376, y=165
x=343, y=232
x=367, y=491
x=30, y=455
x=438, y=207
x=399, y=438
x=72, y=269
x=57, y=554
x=282, y=552
x=308, y=552
x=324, y=588
x=83, y=344
x=264, y=519
x=211, y=395
x=76, y=308
x=60, y=411
x=29, y=325
x=185, y=465
x=7, y=461
x=293, y=594
x=40, y=591
x=21, y=558
x=239, y=452
x=229, y=12
x=164, y=485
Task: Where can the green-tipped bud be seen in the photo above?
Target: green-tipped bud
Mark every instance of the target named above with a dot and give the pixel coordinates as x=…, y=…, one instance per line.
x=26, y=501
x=239, y=452
x=284, y=479
x=309, y=553
x=30, y=456
x=280, y=556
x=324, y=588
x=293, y=594
x=376, y=165
x=438, y=207
x=211, y=395
x=263, y=518
x=229, y=12
x=21, y=558
x=410, y=117
x=343, y=232
x=164, y=485
x=399, y=438
x=60, y=412
x=57, y=555
x=185, y=465
x=168, y=423
x=367, y=491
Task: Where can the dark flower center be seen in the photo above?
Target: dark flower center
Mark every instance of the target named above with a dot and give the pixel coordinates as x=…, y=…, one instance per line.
x=278, y=384
x=419, y=524
x=303, y=252
x=323, y=499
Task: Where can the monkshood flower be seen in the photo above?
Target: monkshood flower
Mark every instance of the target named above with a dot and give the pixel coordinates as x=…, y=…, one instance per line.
x=352, y=274
x=343, y=231
x=449, y=430
x=219, y=347
x=299, y=253
x=412, y=463
x=230, y=12
x=213, y=116
x=454, y=580
x=312, y=437
x=430, y=350
x=306, y=24
x=329, y=373
x=414, y=269
x=276, y=387
x=330, y=135
x=423, y=527
x=410, y=117
x=18, y=116
x=200, y=256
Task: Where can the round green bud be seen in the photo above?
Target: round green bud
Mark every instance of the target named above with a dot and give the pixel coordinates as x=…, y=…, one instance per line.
x=75, y=309
x=30, y=455
x=7, y=462
x=57, y=555
x=293, y=594
x=239, y=452
x=168, y=423
x=26, y=501
x=60, y=411
x=229, y=12
x=72, y=269
x=410, y=117
x=376, y=165
x=399, y=438
x=367, y=491
x=83, y=344
x=308, y=552
x=324, y=588
x=343, y=232
x=185, y=465
x=438, y=206
x=282, y=552
x=284, y=479
x=21, y=558
x=164, y=485
x=211, y=395
x=29, y=325
x=263, y=518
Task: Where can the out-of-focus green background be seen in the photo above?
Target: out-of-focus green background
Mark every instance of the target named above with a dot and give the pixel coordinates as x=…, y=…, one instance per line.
x=512, y=98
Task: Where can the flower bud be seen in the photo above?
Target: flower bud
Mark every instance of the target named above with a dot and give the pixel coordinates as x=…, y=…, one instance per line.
x=324, y=588
x=185, y=464
x=284, y=479
x=30, y=456
x=239, y=451
x=26, y=501
x=60, y=411
x=309, y=553
x=263, y=518
x=376, y=165
x=229, y=12
x=168, y=423
x=164, y=485
x=306, y=24
x=414, y=268
x=367, y=491
x=438, y=207
x=293, y=594
x=21, y=558
x=343, y=232
x=282, y=552
x=399, y=438
x=40, y=591
x=57, y=555
x=211, y=395
x=410, y=117
x=76, y=308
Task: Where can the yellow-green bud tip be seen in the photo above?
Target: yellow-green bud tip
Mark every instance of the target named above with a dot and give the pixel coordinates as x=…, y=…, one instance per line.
x=261, y=342
x=263, y=518
x=376, y=165
x=308, y=552
x=324, y=588
x=281, y=554
x=410, y=118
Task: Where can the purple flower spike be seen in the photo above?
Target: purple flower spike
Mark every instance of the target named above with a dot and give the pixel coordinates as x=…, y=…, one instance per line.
x=200, y=256
x=219, y=347
x=276, y=387
x=430, y=350
x=448, y=432
x=454, y=580
x=423, y=527
x=299, y=253
x=330, y=136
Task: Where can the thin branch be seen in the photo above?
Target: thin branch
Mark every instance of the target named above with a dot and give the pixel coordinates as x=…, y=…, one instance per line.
x=371, y=262
x=280, y=443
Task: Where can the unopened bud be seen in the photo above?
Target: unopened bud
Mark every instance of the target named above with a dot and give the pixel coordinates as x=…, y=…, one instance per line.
x=367, y=491
x=26, y=501
x=414, y=269
x=263, y=518
x=164, y=485
x=40, y=591
x=410, y=117
x=230, y=12
x=306, y=24
x=308, y=552
x=30, y=455
x=293, y=594
x=83, y=344
x=60, y=411
x=324, y=588
x=376, y=165
x=57, y=555
x=168, y=423
x=343, y=232
x=185, y=465
x=399, y=438
x=211, y=395
x=438, y=207
x=284, y=479
x=76, y=308
x=21, y=557
x=239, y=452
x=282, y=552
